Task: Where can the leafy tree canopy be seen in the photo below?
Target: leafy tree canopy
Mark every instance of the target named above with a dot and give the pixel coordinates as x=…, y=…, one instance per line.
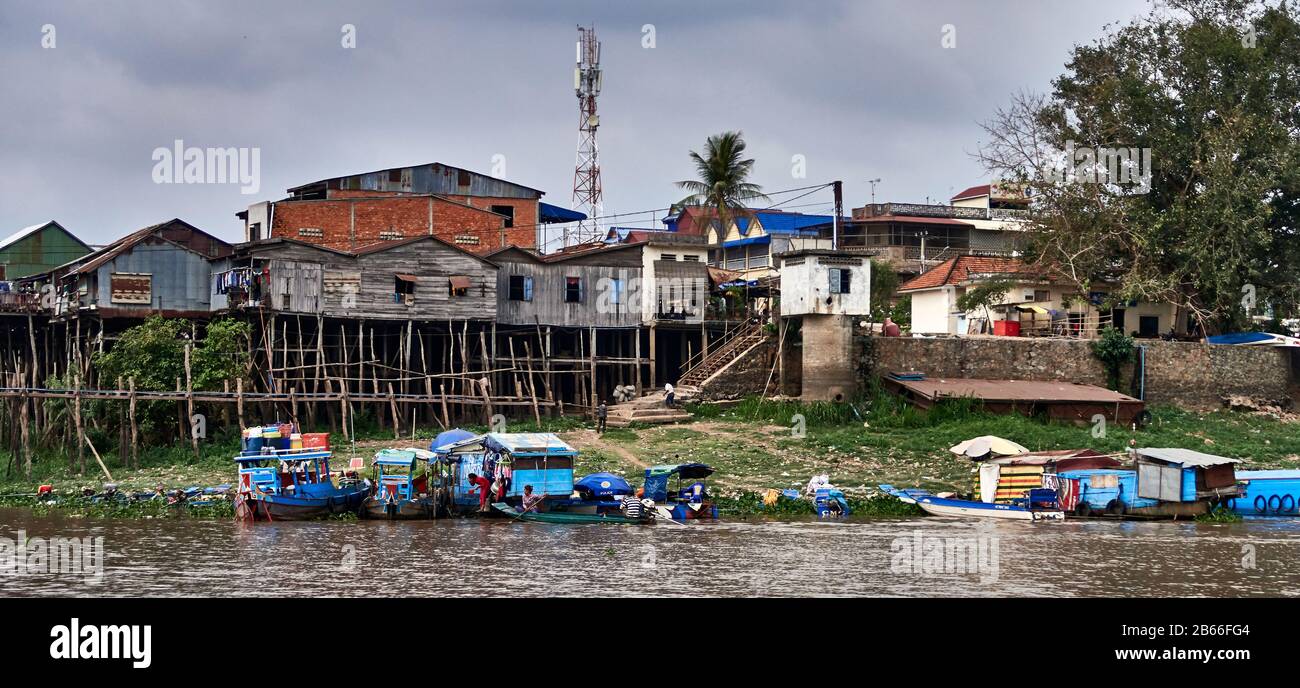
x=1197, y=104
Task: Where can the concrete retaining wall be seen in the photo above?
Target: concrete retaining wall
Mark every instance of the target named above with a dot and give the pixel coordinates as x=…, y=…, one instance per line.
x=1186, y=374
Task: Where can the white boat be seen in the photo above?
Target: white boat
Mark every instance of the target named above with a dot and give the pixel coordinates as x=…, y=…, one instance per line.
x=1040, y=508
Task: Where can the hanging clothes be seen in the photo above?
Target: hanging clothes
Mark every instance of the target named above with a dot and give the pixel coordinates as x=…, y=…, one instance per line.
x=989, y=475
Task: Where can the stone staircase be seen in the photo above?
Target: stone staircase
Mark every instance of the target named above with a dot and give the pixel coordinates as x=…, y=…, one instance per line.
x=721, y=356
x=648, y=409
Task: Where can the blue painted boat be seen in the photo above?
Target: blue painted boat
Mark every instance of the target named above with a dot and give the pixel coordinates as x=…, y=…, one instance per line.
x=406, y=486
x=540, y=459
x=663, y=485
x=1268, y=493
x=292, y=485
x=1041, y=504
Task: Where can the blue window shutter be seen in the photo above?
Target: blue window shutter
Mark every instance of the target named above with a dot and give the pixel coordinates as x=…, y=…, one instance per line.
x=835, y=280
x=528, y=288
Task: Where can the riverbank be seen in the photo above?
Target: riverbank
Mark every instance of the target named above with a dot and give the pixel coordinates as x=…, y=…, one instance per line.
x=754, y=446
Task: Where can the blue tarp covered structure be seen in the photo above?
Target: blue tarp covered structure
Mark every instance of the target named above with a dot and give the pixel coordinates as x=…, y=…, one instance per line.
x=603, y=485
x=548, y=214
x=449, y=436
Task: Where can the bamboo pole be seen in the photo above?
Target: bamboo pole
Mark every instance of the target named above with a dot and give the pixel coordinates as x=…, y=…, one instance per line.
x=135, y=428
x=189, y=399
x=81, y=428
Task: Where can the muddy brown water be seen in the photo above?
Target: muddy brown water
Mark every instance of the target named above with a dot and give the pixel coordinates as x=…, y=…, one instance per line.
x=899, y=557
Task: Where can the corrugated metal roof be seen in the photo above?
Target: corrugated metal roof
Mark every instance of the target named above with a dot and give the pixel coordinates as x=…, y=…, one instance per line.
x=1185, y=457
x=956, y=270
x=789, y=223
x=23, y=233
x=433, y=177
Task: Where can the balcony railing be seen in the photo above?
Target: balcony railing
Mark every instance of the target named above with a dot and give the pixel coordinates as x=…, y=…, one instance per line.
x=13, y=302
x=944, y=211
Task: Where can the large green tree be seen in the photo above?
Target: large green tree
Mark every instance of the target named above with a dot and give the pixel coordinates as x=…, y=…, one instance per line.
x=723, y=177
x=1206, y=93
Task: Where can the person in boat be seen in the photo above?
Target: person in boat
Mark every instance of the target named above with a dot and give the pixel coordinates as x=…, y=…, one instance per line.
x=484, y=487
x=631, y=507
x=532, y=501
x=602, y=413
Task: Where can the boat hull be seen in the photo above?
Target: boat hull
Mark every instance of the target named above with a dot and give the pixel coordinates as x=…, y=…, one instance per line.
x=291, y=508
x=399, y=510
x=566, y=517
x=956, y=507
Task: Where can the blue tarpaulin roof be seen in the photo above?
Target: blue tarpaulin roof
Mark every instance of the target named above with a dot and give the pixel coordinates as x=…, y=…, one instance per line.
x=603, y=485
x=548, y=213
x=449, y=436
x=745, y=242
x=791, y=223
x=527, y=443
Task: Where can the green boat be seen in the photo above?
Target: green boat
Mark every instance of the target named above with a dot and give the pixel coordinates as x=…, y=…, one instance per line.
x=563, y=517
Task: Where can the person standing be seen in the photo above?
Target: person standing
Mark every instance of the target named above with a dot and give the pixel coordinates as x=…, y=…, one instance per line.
x=602, y=413
x=484, y=487
x=668, y=394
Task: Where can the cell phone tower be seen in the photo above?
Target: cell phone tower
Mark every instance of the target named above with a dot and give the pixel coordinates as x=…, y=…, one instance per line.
x=586, y=176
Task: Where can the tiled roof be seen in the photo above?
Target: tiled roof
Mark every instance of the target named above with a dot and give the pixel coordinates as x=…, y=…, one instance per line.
x=973, y=192
x=957, y=270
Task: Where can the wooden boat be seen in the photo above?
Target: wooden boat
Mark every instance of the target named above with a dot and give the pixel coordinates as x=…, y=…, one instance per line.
x=405, y=487
x=1041, y=505
x=292, y=485
x=567, y=517
x=679, y=503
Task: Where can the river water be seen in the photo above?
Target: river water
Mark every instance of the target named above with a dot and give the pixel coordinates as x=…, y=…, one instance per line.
x=899, y=557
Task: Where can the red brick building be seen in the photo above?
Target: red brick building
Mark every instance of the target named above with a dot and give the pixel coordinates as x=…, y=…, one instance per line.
x=471, y=210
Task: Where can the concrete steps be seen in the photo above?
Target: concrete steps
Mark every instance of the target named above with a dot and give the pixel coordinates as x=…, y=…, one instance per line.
x=648, y=409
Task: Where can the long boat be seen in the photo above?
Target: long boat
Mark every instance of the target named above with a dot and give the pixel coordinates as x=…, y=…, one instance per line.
x=567, y=517
x=405, y=487
x=1038, y=507
x=292, y=485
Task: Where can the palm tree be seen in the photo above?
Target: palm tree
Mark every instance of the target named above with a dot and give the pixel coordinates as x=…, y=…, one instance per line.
x=723, y=171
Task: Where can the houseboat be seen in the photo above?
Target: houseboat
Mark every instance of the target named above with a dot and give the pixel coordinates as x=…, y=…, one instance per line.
x=542, y=460
x=1162, y=483
x=1268, y=493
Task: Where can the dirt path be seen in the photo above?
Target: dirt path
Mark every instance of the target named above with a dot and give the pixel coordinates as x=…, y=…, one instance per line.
x=590, y=438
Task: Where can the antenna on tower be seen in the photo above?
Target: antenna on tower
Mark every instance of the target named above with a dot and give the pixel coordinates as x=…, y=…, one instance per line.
x=587, y=79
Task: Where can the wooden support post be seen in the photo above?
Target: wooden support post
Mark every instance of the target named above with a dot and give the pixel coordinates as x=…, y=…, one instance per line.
x=637, y=333
x=397, y=417
x=654, y=377
x=123, y=432
x=189, y=399
x=532, y=389
x=594, y=397
x=442, y=395
x=239, y=401
x=487, y=399
x=780, y=355
x=81, y=428
x=135, y=428
x=428, y=392
x=345, y=412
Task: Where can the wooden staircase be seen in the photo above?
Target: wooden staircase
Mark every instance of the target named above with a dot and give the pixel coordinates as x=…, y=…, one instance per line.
x=738, y=343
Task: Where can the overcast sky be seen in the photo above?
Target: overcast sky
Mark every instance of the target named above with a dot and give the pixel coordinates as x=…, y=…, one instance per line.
x=862, y=89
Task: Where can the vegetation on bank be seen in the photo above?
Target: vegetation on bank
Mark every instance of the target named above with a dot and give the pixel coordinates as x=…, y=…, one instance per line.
x=755, y=445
